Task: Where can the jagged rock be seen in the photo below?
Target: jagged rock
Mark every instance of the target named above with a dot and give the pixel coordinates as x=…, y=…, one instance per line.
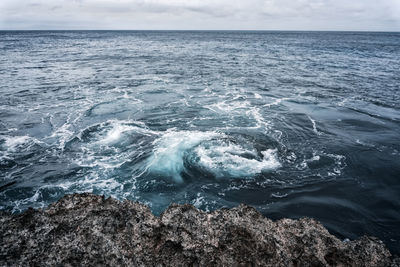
x=88, y=230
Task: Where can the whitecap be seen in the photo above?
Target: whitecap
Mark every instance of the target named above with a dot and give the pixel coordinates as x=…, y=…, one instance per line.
x=112, y=136
x=211, y=151
x=231, y=160
x=63, y=133
x=168, y=154
x=115, y=133
x=12, y=142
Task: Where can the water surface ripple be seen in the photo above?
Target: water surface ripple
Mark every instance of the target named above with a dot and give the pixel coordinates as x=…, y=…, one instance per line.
x=293, y=123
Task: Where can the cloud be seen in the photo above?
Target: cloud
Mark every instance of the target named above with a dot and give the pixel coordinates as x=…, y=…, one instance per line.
x=205, y=14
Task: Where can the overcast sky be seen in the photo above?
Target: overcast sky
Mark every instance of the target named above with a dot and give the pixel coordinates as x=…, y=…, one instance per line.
x=372, y=15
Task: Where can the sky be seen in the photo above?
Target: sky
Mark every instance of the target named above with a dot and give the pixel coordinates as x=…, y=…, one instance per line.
x=342, y=15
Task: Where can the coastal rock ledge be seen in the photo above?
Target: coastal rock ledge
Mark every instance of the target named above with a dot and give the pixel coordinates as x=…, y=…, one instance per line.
x=90, y=230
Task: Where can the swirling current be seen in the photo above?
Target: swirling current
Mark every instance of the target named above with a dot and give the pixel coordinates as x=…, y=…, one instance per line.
x=293, y=123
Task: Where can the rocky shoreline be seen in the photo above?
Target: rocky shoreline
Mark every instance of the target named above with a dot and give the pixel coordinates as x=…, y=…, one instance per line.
x=89, y=230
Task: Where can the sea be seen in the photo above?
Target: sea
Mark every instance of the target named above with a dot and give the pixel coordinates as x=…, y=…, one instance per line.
x=294, y=124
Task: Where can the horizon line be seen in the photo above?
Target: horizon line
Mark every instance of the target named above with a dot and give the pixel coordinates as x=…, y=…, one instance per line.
x=203, y=30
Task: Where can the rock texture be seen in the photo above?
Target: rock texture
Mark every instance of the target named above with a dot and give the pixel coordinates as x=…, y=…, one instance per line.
x=89, y=230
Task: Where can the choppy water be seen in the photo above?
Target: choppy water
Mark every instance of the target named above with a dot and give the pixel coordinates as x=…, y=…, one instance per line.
x=295, y=124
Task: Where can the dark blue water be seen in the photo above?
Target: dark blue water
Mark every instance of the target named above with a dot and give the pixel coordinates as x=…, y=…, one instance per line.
x=293, y=123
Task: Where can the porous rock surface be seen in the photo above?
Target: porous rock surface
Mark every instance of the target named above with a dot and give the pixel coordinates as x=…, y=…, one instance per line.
x=90, y=230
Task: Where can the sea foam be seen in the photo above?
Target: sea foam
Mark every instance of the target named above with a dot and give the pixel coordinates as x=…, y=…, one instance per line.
x=210, y=151
x=169, y=151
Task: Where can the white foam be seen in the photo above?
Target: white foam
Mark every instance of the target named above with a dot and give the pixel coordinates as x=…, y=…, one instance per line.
x=230, y=160
x=315, y=157
x=89, y=183
x=229, y=107
x=198, y=201
x=21, y=204
x=260, y=121
x=208, y=150
x=276, y=102
x=112, y=136
x=64, y=134
x=125, y=94
x=240, y=108
x=12, y=142
x=113, y=131
x=258, y=96
x=169, y=150
x=314, y=124
x=279, y=195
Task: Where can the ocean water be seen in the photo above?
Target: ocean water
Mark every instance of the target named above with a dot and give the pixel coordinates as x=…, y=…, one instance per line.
x=293, y=123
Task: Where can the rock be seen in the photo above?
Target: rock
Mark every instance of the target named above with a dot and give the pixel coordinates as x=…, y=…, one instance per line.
x=88, y=230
